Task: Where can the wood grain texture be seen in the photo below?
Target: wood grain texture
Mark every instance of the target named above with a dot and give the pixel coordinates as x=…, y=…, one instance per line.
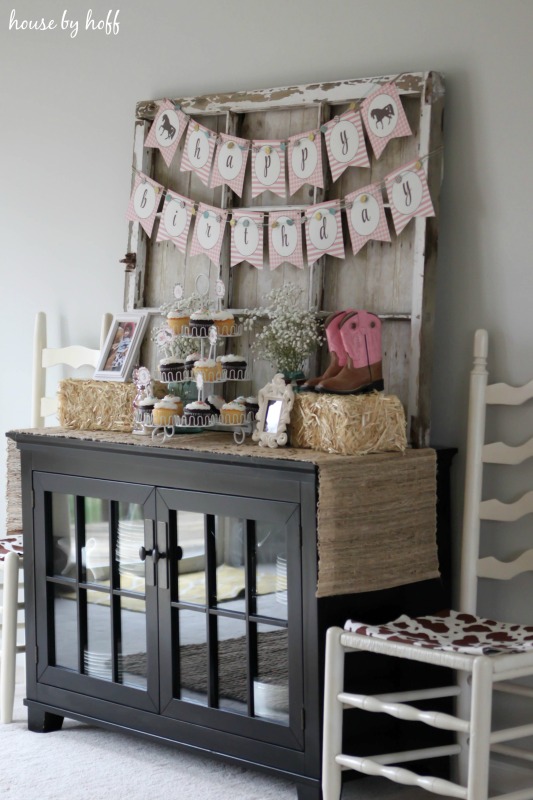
x=395, y=280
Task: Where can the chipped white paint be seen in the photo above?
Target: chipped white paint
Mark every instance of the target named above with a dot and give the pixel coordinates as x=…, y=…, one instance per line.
x=394, y=280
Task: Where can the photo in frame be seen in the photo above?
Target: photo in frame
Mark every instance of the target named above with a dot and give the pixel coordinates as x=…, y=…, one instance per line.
x=120, y=349
x=276, y=400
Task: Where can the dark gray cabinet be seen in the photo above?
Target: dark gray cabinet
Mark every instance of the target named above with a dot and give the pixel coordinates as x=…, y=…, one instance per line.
x=172, y=593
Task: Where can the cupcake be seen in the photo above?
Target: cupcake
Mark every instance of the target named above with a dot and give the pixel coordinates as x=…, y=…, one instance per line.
x=234, y=366
x=224, y=322
x=215, y=403
x=166, y=409
x=171, y=369
x=210, y=369
x=198, y=412
x=200, y=322
x=189, y=363
x=144, y=407
x=251, y=405
x=178, y=321
x=232, y=413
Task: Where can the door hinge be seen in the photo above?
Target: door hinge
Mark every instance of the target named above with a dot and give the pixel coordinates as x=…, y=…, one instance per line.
x=303, y=718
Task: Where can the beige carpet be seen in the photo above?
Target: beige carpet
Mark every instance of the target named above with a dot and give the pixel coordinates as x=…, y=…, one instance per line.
x=85, y=763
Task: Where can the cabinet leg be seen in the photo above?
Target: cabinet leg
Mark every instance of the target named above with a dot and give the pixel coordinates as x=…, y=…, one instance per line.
x=307, y=792
x=43, y=721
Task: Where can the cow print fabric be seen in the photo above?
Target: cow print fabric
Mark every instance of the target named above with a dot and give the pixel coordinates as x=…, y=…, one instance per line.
x=11, y=544
x=452, y=631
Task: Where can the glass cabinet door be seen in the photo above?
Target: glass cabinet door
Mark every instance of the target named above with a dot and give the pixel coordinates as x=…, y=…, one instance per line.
x=230, y=616
x=95, y=591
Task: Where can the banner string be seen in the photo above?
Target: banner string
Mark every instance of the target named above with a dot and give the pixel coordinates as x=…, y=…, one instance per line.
x=341, y=206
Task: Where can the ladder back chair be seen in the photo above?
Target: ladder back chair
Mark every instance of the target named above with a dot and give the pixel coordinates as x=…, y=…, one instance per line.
x=487, y=655
x=43, y=406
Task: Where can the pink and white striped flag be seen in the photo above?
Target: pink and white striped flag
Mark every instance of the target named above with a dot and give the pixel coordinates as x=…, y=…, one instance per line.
x=144, y=202
x=209, y=232
x=167, y=129
x=408, y=193
x=365, y=213
x=384, y=117
x=198, y=151
x=247, y=238
x=324, y=231
x=175, y=220
x=229, y=165
x=268, y=167
x=305, y=160
x=285, y=238
x=345, y=143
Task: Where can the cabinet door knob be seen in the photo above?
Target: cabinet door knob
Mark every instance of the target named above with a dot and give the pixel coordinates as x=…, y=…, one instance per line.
x=156, y=555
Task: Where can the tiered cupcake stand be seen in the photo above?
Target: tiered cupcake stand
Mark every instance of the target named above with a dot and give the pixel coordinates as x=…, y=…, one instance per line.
x=143, y=421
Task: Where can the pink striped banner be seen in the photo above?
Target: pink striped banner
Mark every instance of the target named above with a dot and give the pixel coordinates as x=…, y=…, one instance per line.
x=305, y=160
x=198, y=151
x=144, y=202
x=175, y=220
x=408, y=193
x=365, y=213
x=345, y=143
x=247, y=238
x=209, y=232
x=268, y=167
x=384, y=117
x=324, y=231
x=285, y=239
x=167, y=129
x=229, y=164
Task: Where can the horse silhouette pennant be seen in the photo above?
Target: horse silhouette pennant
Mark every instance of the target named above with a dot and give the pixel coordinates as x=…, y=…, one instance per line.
x=384, y=117
x=167, y=129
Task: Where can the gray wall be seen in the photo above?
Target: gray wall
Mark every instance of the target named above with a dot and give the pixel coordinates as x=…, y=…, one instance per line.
x=66, y=136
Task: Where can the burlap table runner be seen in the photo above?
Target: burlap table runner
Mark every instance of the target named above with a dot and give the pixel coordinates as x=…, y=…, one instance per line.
x=376, y=513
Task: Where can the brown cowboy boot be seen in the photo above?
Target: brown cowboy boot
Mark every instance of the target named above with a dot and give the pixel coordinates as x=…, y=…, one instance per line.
x=337, y=351
x=361, y=335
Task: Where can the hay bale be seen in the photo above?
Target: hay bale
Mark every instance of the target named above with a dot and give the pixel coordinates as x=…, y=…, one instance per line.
x=87, y=405
x=348, y=424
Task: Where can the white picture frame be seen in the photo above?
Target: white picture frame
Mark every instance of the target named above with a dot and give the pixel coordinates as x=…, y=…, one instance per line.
x=276, y=400
x=121, y=346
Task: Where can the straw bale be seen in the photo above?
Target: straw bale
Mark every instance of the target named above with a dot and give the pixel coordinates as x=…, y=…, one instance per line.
x=348, y=424
x=87, y=405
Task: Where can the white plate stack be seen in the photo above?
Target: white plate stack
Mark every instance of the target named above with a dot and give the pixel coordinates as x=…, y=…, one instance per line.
x=130, y=539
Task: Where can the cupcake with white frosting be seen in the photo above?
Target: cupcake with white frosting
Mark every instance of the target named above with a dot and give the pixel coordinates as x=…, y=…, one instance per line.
x=234, y=366
x=166, y=409
x=209, y=369
x=224, y=322
x=232, y=413
x=198, y=412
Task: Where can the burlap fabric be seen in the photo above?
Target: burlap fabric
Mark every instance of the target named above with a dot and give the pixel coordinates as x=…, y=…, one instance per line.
x=376, y=513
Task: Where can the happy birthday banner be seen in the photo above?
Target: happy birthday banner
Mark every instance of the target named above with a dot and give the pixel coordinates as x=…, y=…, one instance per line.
x=408, y=197
x=221, y=159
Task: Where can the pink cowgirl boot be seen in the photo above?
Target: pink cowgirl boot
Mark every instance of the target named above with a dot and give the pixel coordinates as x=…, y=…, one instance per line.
x=337, y=351
x=361, y=336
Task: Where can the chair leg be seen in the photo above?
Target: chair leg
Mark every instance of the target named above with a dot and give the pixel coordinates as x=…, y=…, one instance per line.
x=9, y=637
x=463, y=711
x=333, y=712
x=480, y=730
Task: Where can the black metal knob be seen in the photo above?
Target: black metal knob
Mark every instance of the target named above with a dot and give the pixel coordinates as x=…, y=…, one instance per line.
x=179, y=553
x=143, y=553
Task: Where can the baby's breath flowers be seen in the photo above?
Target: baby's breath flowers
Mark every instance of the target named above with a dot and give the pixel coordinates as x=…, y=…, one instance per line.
x=291, y=333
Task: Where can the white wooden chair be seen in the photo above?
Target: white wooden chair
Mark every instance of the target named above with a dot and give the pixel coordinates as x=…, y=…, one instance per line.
x=11, y=552
x=487, y=655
